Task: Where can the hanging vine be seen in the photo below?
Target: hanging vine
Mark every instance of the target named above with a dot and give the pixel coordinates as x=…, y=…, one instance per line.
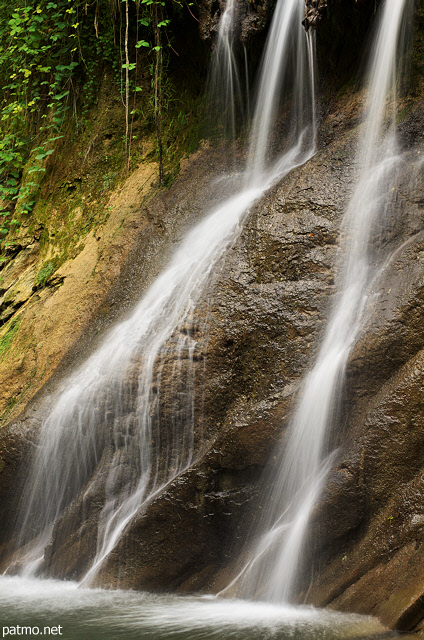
x=158, y=23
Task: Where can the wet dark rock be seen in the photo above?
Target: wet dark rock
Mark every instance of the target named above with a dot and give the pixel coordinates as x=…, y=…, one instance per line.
x=251, y=17
x=369, y=527
x=257, y=329
x=315, y=11
x=17, y=447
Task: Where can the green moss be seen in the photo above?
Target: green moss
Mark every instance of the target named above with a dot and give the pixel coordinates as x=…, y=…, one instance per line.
x=7, y=339
x=405, y=112
x=44, y=274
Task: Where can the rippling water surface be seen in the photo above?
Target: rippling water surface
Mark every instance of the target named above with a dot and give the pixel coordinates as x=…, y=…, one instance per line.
x=88, y=614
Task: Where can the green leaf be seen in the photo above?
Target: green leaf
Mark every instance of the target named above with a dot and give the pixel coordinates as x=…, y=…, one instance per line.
x=61, y=95
x=34, y=169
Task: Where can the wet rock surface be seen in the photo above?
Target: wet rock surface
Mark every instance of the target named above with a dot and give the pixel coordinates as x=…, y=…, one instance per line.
x=257, y=328
x=250, y=19
x=368, y=529
x=266, y=312
x=315, y=11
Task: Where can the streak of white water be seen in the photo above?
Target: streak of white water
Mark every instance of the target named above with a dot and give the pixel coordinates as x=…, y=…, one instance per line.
x=71, y=444
x=224, y=91
x=105, y=432
x=304, y=462
x=286, y=35
x=247, y=83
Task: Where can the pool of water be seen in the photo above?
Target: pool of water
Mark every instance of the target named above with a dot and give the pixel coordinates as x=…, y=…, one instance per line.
x=50, y=608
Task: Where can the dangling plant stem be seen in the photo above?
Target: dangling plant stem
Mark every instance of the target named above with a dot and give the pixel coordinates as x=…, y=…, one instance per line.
x=135, y=91
x=127, y=79
x=158, y=90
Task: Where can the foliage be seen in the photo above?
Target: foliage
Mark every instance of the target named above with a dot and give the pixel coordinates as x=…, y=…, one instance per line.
x=36, y=66
x=53, y=54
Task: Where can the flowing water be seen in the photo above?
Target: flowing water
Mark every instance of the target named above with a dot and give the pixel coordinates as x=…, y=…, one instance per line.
x=105, y=434
x=285, y=37
x=90, y=614
x=303, y=465
x=226, y=104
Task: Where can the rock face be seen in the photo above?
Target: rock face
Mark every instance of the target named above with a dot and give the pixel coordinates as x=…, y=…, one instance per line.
x=18, y=280
x=315, y=11
x=251, y=17
x=374, y=556
x=263, y=309
x=268, y=304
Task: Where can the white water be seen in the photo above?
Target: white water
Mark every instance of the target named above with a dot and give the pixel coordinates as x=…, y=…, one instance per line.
x=90, y=614
x=226, y=103
x=104, y=429
x=285, y=37
x=303, y=465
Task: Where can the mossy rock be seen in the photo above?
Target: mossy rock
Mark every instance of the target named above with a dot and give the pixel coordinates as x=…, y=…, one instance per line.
x=44, y=274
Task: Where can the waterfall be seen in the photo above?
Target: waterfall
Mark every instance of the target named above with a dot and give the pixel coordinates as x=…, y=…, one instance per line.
x=285, y=37
x=105, y=428
x=224, y=88
x=304, y=462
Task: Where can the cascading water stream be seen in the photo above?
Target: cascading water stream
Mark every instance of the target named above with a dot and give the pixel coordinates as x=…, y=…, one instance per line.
x=282, y=39
x=105, y=427
x=303, y=465
x=247, y=83
x=226, y=103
